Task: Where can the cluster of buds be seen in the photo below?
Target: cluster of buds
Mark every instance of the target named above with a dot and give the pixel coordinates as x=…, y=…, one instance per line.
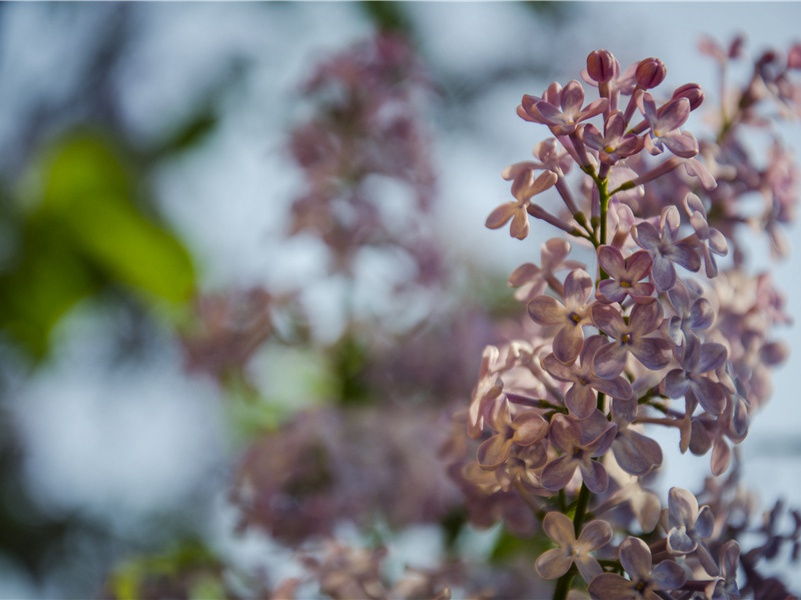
x=651, y=331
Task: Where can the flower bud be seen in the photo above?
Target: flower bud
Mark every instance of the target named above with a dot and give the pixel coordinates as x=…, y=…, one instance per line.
x=693, y=93
x=650, y=73
x=601, y=66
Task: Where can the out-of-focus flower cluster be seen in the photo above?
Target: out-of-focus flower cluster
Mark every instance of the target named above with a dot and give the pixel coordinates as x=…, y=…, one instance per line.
x=663, y=326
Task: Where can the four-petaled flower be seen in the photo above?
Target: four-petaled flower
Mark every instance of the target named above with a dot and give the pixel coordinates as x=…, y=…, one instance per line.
x=580, y=399
x=690, y=380
x=653, y=352
x=524, y=429
x=624, y=276
x=708, y=239
x=689, y=527
x=569, y=317
x=665, y=123
x=665, y=248
x=532, y=280
x=614, y=144
x=646, y=579
x=580, y=442
x=524, y=187
x=561, y=109
x=557, y=561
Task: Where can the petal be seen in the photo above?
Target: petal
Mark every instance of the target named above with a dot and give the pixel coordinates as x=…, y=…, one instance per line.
x=558, y=473
x=567, y=343
x=609, y=290
x=580, y=400
x=546, y=310
x=578, y=287
x=701, y=314
x=683, y=506
x=501, y=215
x=647, y=236
x=610, y=361
x=676, y=383
x=524, y=274
x=572, y=97
x=712, y=357
x=664, y=274
x=553, y=563
x=674, y=114
x=559, y=528
x=596, y=534
x=520, y=226
x=618, y=388
x=608, y=586
x=611, y=261
x=681, y=143
x=594, y=476
x=705, y=523
x=635, y=556
x=494, y=451
x=645, y=318
x=668, y=575
x=588, y=567
x=639, y=265
x=684, y=254
x=529, y=429
x=654, y=353
x=678, y=542
x=709, y=394
x=635, y=453
x=608, y=319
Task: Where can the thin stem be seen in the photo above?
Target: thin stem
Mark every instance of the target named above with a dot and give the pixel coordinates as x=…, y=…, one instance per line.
x=563, y=584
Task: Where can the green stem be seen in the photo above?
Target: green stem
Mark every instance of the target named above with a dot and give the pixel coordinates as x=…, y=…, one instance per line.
x=563, y=584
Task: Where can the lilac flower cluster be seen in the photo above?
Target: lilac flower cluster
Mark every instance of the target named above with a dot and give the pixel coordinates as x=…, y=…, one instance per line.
x=660, y=326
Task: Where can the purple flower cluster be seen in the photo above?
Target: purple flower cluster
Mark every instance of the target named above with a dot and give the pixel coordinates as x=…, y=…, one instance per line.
x=665, y=327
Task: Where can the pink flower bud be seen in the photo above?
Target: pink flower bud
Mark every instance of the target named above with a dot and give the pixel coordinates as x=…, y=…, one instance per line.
x=602, y=66
x=693, y=93
x=650, y=73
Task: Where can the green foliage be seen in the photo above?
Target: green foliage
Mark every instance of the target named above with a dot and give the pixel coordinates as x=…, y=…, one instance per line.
x=84, y=231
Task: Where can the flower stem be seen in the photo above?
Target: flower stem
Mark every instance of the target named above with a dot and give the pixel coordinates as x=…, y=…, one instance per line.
x=563, y=584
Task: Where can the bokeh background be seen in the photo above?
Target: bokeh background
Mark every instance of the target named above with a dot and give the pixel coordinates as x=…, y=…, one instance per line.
x=145, y=165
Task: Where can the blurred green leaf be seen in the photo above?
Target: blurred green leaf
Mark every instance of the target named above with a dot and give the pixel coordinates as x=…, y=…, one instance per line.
x=86, y=230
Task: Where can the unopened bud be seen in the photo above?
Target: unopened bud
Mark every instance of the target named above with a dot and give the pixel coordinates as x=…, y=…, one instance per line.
x=650, y=73
x=601, y=66
x=693, y=93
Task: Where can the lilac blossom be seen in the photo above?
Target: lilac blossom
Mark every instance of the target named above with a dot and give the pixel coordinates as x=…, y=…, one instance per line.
x=524, y=187
x=694, y=313
x=568, y=317
x=726, y=587
x=580, y=398
x=579, y=442
x=666, y=249
x=564, y=110
x=614, y=144
x=532, y=279
x=690, y=380
x=632, y=337
x=635, y=453
x=646, y=579
x=625, y=276
x=689, y=527
x=524, y=429
x=709, y=240
x=665, y=123
x=556, y=562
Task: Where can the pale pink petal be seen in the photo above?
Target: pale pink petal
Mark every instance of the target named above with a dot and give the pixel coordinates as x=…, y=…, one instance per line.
x=552, y=564
x=501, y=215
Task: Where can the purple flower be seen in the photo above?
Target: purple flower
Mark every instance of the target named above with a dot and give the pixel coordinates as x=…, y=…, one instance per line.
x=709, y=240
x=579, y=442
x=635, y=453
x=580, y=399
x=524, y=187
x=693, y=312
x=690, y=380
x=562, y=111
x=689, y=526
x=532, y=280
x=524, y=429
x=631, y=337
x=625, y=275
x=615, y=143
x=726, y=587
x=665, y=249
x=556, y=562
x=569, y=317
x=665, y=123
x=646, y=580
